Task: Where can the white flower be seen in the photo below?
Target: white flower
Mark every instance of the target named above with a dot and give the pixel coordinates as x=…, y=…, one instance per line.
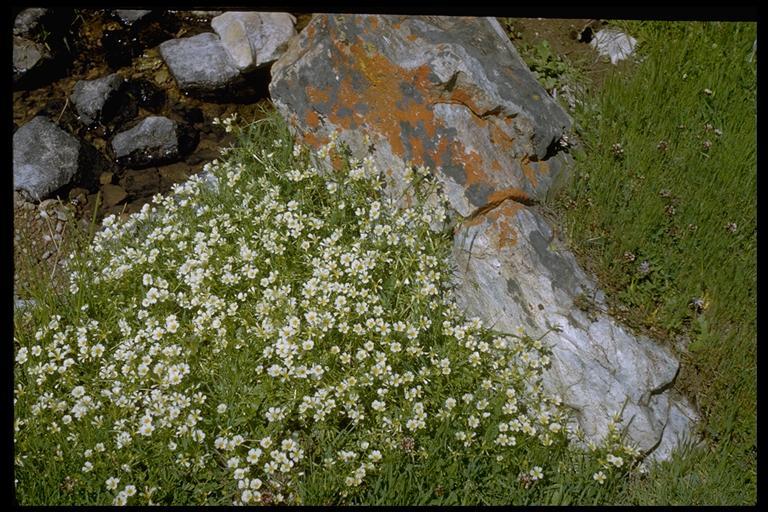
x=536, y=473
x=129, y=490
x=21, y=355
x=221, y=408
x=112, y=483
x=253, y=455
x=378, y=405
x=599, y=477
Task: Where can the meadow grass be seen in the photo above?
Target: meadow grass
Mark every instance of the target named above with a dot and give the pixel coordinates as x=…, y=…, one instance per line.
x=278, y=334
x=195, y=434
x=663, y=210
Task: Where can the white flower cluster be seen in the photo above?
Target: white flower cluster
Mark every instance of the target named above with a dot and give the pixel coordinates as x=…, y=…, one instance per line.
x=288, y=316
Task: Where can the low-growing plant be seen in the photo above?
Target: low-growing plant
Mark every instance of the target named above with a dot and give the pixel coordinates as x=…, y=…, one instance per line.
x=281, y=332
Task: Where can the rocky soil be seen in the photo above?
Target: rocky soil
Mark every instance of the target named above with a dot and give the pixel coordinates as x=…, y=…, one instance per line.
x=101, y=73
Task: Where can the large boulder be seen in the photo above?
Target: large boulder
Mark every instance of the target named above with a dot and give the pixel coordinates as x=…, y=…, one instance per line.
x=45, y=158
x=254, y=39
x=452, y=94
x=512, y=271
x=449, y=93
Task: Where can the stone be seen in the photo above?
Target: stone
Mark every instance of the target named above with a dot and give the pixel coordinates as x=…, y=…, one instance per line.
x=28, y=55
x=254, y=39
x=28, y=21
x=106, y=178
x=153, y=141
x=449, y=93
x=452, y=94
x=199, y=63
x=511, y=271
x=130, y=16
x=141, y=183
x=45, y=158
x=90, y=96
x=112, y=195
x=614, y=44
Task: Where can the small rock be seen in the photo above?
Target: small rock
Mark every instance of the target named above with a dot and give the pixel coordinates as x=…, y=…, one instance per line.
x=112, y=195
x=141, y=183
x=199, y=63
x=130, y=16
x=90, y=96
x=253, y=39
x=45, y=158
x=28, y=21
x=106, y=178
x=27, y=55
x=613, y=44
x=205, y=15
x=153, y=141
x=61, y=213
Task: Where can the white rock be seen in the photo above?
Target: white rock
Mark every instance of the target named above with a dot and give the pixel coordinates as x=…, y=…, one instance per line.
x=254, y=39
x=511, y=272
x=613, y=44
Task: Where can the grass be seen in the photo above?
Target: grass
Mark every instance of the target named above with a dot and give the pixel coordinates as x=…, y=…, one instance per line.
x=663, y=210
x=183, y=365
x=613, y=208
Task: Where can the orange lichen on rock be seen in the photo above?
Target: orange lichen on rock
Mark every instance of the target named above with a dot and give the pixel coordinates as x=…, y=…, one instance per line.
x=529, y=172
x=500, y=217
x=542, y=167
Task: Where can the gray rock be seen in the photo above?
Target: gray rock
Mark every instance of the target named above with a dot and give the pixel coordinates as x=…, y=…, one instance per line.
x=151, y=142
x=204, y=14
x=449, y=93
x=614, y=44
x=45, y=158
x=254, y=39
x=199, y=63
x=28, y=21
x=511, y=271
x=28, y=55
x=89, y=96
x=130, y=16
x=452, y=94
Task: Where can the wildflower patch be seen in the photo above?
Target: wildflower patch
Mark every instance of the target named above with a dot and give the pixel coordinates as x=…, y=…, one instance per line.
x=227, y=345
